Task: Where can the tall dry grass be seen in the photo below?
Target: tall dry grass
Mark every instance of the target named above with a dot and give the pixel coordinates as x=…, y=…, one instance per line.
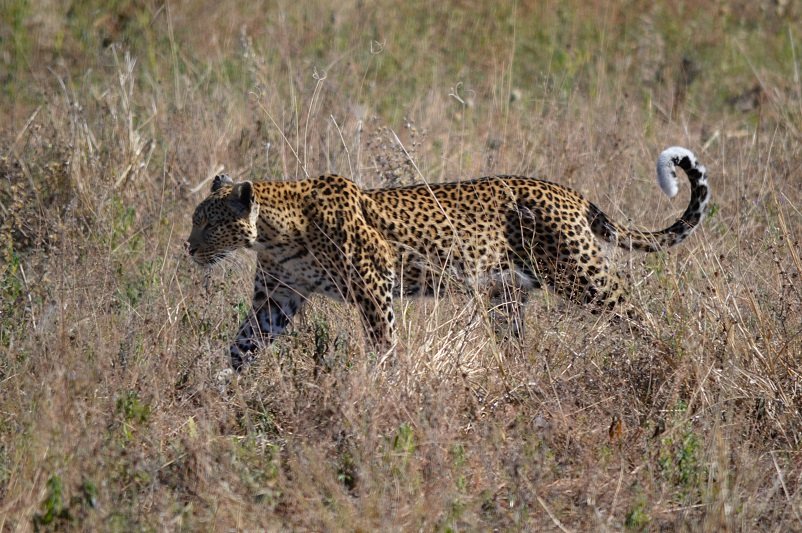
x=110, y=418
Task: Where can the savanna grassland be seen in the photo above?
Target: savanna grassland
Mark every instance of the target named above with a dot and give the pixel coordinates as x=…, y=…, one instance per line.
x=113, y=117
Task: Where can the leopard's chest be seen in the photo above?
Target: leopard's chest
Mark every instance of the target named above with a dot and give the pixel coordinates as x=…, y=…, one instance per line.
x=298, y=267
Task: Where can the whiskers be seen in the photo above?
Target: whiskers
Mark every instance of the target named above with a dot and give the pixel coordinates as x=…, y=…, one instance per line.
x=223, y=261
x=241, y=262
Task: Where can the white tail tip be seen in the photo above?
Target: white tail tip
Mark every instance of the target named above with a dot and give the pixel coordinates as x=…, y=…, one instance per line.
x=666, y=168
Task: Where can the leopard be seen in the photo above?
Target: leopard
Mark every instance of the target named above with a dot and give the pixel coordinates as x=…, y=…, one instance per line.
x=328, y=236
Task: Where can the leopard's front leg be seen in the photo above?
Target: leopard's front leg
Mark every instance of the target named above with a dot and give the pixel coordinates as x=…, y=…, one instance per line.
x=372, y=291
x=274, y=306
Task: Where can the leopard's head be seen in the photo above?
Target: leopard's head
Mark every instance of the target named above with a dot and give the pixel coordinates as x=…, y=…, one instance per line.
x=225, y=221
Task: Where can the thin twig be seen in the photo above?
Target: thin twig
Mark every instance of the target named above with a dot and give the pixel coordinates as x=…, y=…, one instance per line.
x=551, y=515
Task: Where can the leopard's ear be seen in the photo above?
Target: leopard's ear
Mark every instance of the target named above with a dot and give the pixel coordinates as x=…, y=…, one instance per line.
x=240, y=199
x=219, y=181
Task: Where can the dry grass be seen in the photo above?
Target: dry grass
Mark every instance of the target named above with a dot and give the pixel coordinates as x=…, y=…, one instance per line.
x=109, y=339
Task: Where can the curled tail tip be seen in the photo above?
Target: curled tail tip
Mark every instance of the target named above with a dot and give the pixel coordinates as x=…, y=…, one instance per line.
x=666, y=168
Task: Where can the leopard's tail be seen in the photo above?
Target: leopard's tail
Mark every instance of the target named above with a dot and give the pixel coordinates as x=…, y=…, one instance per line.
x=652, y=241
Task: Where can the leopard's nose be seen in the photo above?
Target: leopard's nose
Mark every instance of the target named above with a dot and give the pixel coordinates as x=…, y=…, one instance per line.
x=190, y=248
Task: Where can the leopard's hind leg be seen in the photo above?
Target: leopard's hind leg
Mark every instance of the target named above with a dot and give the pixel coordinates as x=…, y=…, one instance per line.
x=580, y=272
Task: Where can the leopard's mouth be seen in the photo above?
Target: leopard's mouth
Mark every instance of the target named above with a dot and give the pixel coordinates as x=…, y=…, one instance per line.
x=208, y=261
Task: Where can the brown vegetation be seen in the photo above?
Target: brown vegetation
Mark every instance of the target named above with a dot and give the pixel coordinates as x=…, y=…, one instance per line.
x=113, y=117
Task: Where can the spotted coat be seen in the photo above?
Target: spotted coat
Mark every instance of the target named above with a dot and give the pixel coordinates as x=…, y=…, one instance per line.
x=327, y=236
